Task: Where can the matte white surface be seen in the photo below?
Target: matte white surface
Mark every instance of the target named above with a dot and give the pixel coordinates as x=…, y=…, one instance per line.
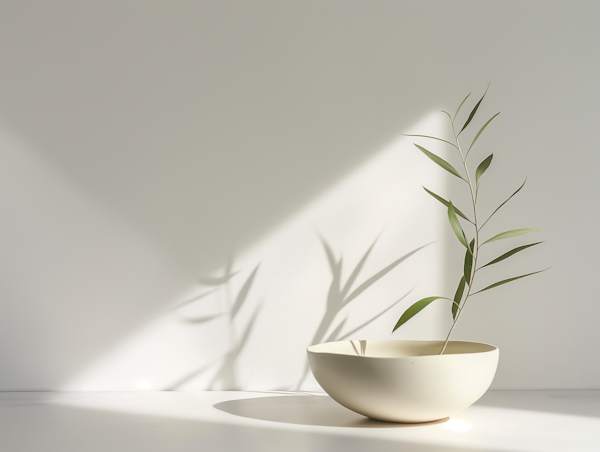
x=145, y=144
x=404, y=381
x=502, y=421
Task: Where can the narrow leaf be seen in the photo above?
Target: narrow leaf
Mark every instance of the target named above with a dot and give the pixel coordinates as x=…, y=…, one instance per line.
x=510, y=253
x=509, y=280
x=461, y=104
x=481, y=131
x=468, y=267
x=456, y=226
x=447, y=204
x=427, y=136
x=415, y=309
x=458, y=296
x=482, y=167
x=474, y=111
x=509, y=234
x=448, y=114
x=518, y=190
x=440, y=161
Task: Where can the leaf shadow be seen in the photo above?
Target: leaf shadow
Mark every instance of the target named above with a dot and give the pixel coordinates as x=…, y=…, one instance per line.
x=340, y=295
x=225, y=377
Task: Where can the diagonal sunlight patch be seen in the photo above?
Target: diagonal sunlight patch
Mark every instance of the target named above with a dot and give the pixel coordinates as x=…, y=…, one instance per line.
x=344, y=266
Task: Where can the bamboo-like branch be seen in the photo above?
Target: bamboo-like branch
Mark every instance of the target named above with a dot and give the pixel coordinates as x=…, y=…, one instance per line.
x=476, y=247
x=472, y=257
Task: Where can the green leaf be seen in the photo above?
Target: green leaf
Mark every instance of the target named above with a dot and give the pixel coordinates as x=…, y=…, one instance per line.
x=509, y=280
x=461, y=104
x=458, y=230
x=510, y=253
x=518, y=190
x=440, y=161
x=481, y=131
x=474, y=111
x=458, y=296
x=415, y=309
x=447, y=204
x=468, y=267
x=427, y=136
x=482, y=167
x=509, y=234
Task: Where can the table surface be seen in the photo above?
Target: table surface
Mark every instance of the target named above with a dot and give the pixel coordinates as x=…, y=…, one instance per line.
x=500, y=421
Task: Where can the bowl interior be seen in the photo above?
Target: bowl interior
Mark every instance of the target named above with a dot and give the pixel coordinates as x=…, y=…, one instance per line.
x=398, y=348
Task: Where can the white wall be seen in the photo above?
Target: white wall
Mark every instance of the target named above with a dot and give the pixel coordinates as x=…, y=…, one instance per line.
x=144, y=145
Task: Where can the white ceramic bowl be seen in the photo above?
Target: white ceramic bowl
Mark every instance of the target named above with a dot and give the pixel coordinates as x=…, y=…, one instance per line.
x=404, y=381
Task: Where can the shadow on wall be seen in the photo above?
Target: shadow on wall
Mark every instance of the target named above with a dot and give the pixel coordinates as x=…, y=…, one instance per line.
x=206, y=105
x=340, y=295
x=226, y=376
x=185, y=127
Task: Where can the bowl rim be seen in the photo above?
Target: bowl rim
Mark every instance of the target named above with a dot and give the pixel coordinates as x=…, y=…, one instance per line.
x=311, y=349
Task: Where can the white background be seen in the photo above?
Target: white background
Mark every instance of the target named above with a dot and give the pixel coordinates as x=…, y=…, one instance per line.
x=144, y=145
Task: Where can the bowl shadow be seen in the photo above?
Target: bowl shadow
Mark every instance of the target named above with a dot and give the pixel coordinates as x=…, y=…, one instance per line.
x=306, y=410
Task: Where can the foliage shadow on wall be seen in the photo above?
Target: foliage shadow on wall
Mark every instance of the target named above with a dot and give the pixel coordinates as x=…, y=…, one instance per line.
x=226, y=376
x=340, y=295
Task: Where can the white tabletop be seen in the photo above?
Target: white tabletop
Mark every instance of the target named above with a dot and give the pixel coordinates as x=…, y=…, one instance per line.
x=523, y=421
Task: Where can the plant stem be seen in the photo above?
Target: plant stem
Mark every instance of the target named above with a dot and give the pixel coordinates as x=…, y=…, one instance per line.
x=475, y=250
